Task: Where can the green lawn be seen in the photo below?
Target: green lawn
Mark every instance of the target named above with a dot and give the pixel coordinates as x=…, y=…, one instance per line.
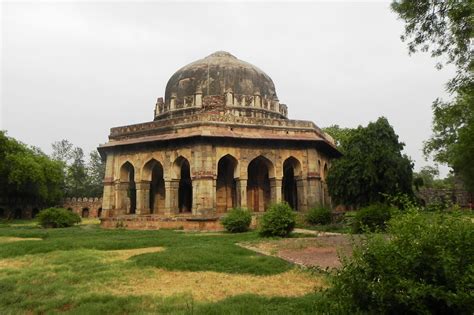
x=79, y=270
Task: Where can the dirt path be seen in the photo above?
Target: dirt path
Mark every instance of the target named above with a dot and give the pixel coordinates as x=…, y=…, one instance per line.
x=322, y=251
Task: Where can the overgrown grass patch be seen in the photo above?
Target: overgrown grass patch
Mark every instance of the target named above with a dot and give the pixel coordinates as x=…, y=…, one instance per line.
x=83, y=269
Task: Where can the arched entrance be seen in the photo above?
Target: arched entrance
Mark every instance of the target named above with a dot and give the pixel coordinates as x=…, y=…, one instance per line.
x=99, y=212
x=153, y=171
x=18, y=214
x=185, y=187
x=291, y=175
x=85, y=212
x=226, y=193
x=127, y=178
x=258, y=184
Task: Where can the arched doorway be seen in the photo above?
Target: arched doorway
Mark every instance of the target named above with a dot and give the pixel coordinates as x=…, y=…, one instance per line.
x=99, y=212
x=85, y=212
x=153, y=171
x=185, y=187
x=258, y=184
x=17, y=214
x=291, y=174
x=226, y=191
x=127, y=177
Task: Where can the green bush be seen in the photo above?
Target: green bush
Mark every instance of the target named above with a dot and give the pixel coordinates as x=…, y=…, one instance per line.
x=319, y=215
x=373, y=217
x=425, y=266
x=279, y=220
x=237, y=220
x=57, y=218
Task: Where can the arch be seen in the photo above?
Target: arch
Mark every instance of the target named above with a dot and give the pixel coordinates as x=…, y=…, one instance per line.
x=85, y=212
x=258, y=183
x=18, y=213
x=128, y=192
x=291, y=174
x=154, y=173
x=226, y=187
x=270, y=165
x=182, y=171
x=34, y=212
x=99, y=212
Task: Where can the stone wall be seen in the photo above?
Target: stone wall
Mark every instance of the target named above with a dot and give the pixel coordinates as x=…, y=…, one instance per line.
x=83, y=206
x=455, y=196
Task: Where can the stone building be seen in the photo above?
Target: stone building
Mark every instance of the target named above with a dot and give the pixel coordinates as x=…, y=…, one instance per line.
x=220, y=139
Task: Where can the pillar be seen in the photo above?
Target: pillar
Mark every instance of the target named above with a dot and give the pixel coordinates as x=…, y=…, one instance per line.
x=108, y=198
x=275, y=190
x=313, y=190
x=204, y=195
x=301, y=191
x=171, y=195
x=241, y=186
x=143, y=197
x=121, y=198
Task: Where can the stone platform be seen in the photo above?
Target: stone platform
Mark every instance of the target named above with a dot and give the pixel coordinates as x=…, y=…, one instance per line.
x=175, y=222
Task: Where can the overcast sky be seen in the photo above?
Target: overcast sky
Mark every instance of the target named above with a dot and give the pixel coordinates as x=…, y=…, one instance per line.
x=74, y=70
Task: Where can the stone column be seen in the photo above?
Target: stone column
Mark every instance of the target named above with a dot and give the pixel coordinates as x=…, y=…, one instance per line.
x=301, y=194
x=143, y=197
x=204, y=195
x=171, y=197
x=241, y=186
x=275, y=188
x=168, y=197
x=121, y=189
x=108, y=198
x=313, y=190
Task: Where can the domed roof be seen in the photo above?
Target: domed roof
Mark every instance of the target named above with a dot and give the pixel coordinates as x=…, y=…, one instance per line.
x=217, y=74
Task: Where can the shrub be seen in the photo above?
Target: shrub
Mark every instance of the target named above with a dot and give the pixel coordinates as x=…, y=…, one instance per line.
x=237, y=220
x=373, y=217
x=319, y=215
x=426, y=266
x=279, y=220
x=57, y=218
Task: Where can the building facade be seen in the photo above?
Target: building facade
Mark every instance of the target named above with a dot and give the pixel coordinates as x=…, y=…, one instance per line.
x=219, y=139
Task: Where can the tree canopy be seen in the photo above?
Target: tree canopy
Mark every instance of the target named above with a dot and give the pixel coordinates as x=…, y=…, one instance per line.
x=81, y=178
x=446, y=29
x=27, y=175
x=372, y=165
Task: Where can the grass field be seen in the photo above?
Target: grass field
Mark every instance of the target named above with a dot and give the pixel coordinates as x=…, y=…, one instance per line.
x=88, y=270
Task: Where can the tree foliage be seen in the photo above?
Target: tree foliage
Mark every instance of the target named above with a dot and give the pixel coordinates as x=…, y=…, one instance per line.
x=372, y=165
x=428, y=177
x=446, y=29
x=81, y=178
x=340, y=135
x=425, y=266
x=27, y=175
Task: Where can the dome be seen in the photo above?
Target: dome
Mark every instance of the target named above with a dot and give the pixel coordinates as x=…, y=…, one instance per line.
x=221, y=80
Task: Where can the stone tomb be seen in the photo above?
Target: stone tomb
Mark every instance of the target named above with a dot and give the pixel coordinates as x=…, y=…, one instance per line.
x=220, y=139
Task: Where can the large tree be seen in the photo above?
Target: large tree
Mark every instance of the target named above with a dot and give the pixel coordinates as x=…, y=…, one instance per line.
x=27, y=175
x=446, y=29
x=81, y=179
x=372, y=166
